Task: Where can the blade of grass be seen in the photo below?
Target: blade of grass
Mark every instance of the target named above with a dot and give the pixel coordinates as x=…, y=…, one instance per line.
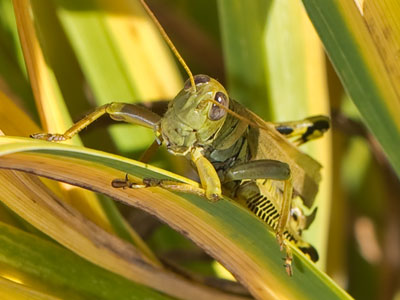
x=9, y=35
x=382, y=19
x=131, y=60
x=59, y=272
x=232, y=235
x=54, y=113
x=121, y=54
x=14, y=80
x=13, y=121
x=360, y=67
x=147, y=58
x=61, y=59
x=26, y=196
x=298, y=85
x=43, y=81
x=17, y=291
x=30, y=199
x=52, y=109
x=242, y=30
x=291, y=58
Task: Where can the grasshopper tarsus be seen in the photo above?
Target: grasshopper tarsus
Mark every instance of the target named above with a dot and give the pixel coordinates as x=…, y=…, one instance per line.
x=280, y=241
x=215, y=198
x=119, y=183
x=167, y=184
x=145, y=183
x=288, y=267
x=49, y=137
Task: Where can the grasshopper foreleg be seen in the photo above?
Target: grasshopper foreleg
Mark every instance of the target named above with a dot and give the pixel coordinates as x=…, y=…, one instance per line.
x=211, y=185
x=208, y=176
x=170, y=185
x=126, y=112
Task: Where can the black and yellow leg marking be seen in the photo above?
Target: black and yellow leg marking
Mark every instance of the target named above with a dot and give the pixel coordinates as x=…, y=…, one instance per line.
x=249, y=193
x=130, y=113
x=276, y=217
x=267, y=169
x=306, y=130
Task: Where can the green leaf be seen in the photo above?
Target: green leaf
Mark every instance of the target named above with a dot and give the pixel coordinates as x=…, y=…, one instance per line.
x=62, y=273
x=12, y=289
x=273, y=43
x=121, y=55
x=42, y=45
x=242, y=28
x=361, y=69
x=230, y=233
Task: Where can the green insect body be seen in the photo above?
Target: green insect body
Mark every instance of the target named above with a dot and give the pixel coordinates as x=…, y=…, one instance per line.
x=227, y=142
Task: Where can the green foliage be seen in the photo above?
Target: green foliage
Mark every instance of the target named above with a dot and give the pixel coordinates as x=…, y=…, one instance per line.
x=94, y=52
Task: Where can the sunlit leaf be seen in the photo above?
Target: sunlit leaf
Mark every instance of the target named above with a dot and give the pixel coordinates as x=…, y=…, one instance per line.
x=53, y=270
x=235, y=237
x=361, y=68
x=280, y=49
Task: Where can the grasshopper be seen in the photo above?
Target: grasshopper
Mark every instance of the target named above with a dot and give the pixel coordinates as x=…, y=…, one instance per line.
x=235, y=152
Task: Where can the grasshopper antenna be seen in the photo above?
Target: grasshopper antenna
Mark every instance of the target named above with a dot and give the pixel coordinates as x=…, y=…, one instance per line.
x=170, y=44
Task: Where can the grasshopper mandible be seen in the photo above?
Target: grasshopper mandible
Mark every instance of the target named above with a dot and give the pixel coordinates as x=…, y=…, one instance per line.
x=235, y=152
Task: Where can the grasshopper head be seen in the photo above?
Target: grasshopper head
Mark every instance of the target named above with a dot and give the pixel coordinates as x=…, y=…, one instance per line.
x=191, y=119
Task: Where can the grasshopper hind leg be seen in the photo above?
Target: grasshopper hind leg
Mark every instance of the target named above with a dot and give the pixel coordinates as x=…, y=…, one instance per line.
x=250, y=195
x=310, y=251
x=305, y=130
x=284, y=224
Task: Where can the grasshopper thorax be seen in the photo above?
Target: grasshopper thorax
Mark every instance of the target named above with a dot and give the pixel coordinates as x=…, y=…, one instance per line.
x=192, y=119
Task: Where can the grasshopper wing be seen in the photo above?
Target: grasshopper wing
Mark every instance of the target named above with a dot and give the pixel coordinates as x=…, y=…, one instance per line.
x=266, y=143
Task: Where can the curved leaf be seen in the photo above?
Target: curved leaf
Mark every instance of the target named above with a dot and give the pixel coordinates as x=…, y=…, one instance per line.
x=54, y=270
x=235, y=237
x=361, y=68
x=41, y=65
x=281, y=49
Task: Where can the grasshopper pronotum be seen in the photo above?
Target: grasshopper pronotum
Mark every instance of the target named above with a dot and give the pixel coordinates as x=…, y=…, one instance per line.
x=236, y=153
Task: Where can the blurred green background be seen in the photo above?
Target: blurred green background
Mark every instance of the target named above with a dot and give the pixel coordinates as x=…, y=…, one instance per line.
x=270, y=58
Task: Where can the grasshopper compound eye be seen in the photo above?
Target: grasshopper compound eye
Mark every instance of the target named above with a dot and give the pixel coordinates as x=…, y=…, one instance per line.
x=217, y=112
x=198, y=79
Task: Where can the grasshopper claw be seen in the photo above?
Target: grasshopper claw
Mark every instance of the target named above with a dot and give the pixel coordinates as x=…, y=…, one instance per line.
x=289, y=257
x=215, y=197
x=119, y=183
